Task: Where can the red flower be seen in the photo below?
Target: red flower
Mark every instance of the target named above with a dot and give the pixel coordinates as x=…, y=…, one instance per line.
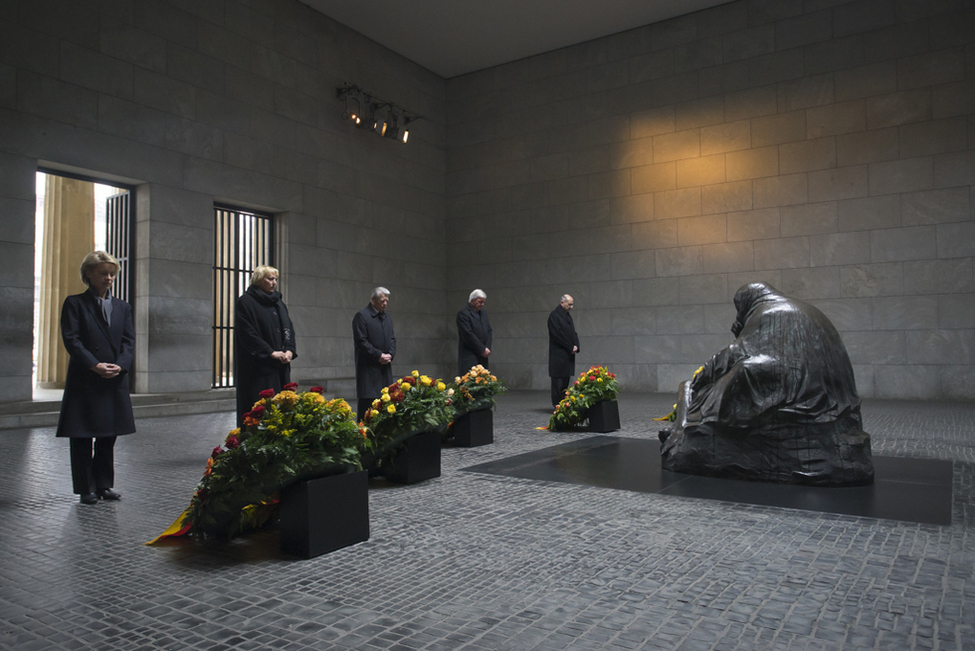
x=409, y=379
x=317, y=390
x=232, y=442
x=267, y=393
x=577, y=383
x=397, y=396
x=258, y=411
x=366, y=417
x=290, y=386
x=612, y=375
x=217, y=451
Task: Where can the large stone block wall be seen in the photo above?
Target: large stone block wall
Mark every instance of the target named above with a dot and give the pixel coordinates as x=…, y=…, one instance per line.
x=234, y=102
x=825, y=146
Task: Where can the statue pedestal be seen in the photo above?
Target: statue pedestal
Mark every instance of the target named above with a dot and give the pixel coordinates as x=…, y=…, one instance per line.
x=321, y=515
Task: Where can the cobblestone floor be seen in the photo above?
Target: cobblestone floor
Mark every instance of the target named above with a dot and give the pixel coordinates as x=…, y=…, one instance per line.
x=481, y=562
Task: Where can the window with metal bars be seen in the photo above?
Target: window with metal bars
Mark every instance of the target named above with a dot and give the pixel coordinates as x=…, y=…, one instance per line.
x=242, y=242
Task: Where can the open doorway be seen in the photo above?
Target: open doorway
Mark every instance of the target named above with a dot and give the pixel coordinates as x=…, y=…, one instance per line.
x=74, y=216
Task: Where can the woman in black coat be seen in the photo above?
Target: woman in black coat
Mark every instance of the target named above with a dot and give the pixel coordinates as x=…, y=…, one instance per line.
x=264, y=340
x=97, y=332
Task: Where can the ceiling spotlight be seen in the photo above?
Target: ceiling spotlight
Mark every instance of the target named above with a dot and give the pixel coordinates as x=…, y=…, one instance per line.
x=381, y=122
x=404, y=133
x=353, y=108
x=391, y=129
x=396, y=126
x=353, y=103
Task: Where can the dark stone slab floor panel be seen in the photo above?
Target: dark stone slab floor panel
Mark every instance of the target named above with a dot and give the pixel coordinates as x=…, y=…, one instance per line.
x=484, y=562
x=913, y=490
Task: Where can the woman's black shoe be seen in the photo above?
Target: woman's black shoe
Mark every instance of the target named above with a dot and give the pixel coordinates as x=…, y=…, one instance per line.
x=89, y=498
x=108, y=494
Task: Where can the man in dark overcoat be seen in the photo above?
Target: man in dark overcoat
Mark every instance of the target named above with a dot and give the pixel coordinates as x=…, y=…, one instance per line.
x=473, y=333
x=375, y=347
x=99, y=336
x=563, y=344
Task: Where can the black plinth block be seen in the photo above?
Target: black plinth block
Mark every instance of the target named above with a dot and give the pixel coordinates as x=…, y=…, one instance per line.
x=604, y=416
x=321, y=515
x=416, y=461
x=474, y=428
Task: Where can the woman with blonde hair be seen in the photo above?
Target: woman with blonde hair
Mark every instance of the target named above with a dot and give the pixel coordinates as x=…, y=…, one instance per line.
x=97, y=331
x=264, y=340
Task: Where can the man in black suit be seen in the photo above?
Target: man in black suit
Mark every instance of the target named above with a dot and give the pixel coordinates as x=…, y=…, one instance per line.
x=375, y=347
x=563, y=344
x=473, y=334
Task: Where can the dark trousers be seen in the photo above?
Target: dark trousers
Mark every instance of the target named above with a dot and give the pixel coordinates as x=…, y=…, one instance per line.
x=559, y=385
x=92, y=472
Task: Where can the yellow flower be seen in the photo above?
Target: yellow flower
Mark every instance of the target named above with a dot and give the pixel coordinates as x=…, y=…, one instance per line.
x=385, y=390
x=405, y=387
x=494, y=379
x=416, y=374
x=599, y=379
x=441, y=386
x=573, y=398
x=391, y=408
x=376, y=403
x=386, y=398
x=286, y=398
x=374, y=414
x=426, y=380
x=234, y=432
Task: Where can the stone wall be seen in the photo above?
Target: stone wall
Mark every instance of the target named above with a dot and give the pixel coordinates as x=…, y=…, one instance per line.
x=824, y=146
x=203, y=101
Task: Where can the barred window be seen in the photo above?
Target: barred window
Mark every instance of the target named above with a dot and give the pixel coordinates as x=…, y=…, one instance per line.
x=242, y=242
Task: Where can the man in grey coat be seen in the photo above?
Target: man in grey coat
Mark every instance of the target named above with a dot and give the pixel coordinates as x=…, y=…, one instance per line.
x=563, y=344
x=375, y=347
x=473, y=334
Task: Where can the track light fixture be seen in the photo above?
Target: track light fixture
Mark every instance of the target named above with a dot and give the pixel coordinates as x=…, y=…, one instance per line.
x=353, y=106
x=366, y=110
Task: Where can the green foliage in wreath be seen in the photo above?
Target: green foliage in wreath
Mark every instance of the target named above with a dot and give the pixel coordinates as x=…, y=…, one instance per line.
x=595, y=385
x=285, y=438
x=415, y=403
